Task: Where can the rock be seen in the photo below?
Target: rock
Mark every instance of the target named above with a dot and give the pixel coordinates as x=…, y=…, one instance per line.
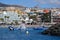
x=53, y=30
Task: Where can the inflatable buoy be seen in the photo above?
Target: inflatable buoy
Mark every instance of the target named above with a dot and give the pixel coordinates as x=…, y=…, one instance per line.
x=27, y=32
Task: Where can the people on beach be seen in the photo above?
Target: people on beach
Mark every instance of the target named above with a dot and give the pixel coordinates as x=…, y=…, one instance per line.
x=22, y=26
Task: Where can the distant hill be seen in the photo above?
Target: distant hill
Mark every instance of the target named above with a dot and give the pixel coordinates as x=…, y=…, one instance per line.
x=6, y=5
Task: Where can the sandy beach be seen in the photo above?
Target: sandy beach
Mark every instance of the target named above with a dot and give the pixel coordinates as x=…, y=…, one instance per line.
x=19, y=25
x=25, y=25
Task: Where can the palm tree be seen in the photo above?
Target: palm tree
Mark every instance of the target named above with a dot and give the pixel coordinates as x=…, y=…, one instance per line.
x=16, y=21
x=1, y=19
x=6, y=18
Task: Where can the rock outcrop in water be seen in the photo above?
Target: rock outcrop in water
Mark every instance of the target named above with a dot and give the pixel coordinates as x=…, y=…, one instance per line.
x=53, y=30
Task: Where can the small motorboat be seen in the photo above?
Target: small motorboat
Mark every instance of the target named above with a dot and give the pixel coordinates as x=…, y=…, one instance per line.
x=11, y=28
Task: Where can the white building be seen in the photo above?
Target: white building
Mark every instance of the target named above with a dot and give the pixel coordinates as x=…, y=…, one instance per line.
x=28, y=10
x=9, y=16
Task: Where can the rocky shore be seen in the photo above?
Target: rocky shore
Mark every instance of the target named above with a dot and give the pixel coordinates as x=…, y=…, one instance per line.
x=53, y=30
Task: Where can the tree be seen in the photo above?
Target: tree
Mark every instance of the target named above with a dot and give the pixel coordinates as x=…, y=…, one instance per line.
x=16, y=21
x=1, y=19
x=46, y=17
x=6, y=18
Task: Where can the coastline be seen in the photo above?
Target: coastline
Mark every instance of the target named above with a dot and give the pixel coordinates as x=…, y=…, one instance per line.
x=19, y=26
x=5, y=26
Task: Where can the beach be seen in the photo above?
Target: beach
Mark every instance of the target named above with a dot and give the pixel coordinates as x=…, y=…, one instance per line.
x=19, y=26
x=25, y=25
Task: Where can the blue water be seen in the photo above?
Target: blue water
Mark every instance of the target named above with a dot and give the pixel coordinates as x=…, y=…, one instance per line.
x=6, y=34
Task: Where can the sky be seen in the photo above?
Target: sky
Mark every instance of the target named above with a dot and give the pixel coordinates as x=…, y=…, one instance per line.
x=32, y=3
